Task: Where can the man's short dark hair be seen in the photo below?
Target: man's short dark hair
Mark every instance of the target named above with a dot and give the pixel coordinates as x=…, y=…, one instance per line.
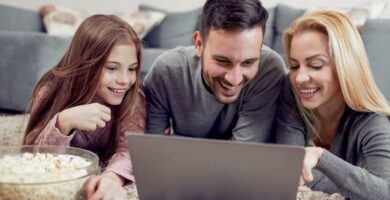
x=232, y=15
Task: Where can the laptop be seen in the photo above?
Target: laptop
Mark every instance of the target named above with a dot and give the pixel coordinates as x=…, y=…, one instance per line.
x=173, y=168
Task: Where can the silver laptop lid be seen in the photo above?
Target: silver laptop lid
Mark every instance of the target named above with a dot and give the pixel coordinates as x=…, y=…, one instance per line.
x=168, y=167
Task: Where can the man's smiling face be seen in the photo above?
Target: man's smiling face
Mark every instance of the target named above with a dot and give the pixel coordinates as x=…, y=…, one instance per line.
x=230, y=60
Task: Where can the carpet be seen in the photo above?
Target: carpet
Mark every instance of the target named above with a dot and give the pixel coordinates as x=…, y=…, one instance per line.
x=12, y=129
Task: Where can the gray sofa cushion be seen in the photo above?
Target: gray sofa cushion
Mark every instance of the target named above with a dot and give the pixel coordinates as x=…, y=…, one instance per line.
x=25, y=57
x=269, y=32
x=376, y=39
x=17, y=19
x=284, y=16
x=176, y=29
x=149, y=55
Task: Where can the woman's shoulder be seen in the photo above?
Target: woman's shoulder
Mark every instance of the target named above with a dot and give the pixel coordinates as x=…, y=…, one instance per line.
x=370, y=118
x=370, y=123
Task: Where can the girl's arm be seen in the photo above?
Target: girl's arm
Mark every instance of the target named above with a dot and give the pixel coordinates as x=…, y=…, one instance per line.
x=60, y=129
x=120, y=162
x=50, y=134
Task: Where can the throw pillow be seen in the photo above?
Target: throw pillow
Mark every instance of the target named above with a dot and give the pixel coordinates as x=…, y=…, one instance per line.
x=285, y=15
x=143, y=21
x=359, y=14
x=60, y=20
x=177, y=28
x=63, y=21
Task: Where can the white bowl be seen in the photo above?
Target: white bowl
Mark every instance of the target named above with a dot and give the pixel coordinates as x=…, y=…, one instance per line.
x=45, y=172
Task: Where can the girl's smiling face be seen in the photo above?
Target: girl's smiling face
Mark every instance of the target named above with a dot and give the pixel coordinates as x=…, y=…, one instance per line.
x=119, y=75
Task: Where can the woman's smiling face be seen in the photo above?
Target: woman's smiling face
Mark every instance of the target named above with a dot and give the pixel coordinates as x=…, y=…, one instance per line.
x=313, y=73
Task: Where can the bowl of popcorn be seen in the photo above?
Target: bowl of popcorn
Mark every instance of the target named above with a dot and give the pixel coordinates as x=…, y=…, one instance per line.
x=45, y=172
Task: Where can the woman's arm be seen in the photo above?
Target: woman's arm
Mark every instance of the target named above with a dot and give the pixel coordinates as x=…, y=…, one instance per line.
x=370, y=178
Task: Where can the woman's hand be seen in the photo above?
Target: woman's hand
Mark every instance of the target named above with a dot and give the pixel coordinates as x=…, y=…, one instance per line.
x=87, y=117
x=312, y=157
x=107, y=186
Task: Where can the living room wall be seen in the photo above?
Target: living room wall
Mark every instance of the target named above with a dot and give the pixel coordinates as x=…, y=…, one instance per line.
x=107, y=6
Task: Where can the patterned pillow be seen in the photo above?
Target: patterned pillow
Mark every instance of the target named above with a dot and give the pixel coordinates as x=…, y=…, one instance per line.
x=63, y=21
x=60, y=20
x=359, y=14
x=143, y=21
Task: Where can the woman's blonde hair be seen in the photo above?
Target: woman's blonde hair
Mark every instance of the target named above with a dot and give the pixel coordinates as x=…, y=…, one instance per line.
x=347, y=51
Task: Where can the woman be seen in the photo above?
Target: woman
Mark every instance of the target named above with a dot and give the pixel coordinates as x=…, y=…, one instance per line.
x=92, y=99
x=341, y=106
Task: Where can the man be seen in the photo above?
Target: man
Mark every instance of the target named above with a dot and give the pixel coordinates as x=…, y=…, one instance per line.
x=226, y=86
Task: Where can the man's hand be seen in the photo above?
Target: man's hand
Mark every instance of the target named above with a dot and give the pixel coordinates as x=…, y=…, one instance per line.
x=107, y=186
x=87, y=117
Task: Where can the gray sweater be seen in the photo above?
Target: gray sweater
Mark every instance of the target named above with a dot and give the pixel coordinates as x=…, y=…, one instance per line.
x=175, y=91
x=358, y=162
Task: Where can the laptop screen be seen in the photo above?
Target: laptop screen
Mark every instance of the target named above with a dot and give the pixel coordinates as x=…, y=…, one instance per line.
x=170, y=167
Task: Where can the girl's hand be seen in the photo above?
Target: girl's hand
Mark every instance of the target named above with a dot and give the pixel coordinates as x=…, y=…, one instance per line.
x=87, y=117
x=106, y=186
x=312, y=156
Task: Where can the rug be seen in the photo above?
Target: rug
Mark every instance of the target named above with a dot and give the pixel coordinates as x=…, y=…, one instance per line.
x=12, y=129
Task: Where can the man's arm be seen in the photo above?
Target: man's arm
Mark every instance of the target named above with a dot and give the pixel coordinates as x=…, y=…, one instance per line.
x=156, y=98
x=257, y=113
x=290, y=128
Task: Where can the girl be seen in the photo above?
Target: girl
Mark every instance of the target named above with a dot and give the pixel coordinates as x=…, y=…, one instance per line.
x=92, y=99
x=341, y=106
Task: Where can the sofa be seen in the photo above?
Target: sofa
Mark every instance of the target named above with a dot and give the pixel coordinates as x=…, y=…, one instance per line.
x=27, y=51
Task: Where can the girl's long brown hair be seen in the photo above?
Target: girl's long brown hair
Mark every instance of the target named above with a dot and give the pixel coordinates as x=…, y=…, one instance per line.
x=74, y=80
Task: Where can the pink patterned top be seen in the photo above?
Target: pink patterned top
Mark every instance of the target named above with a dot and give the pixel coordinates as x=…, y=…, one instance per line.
x=119, y=162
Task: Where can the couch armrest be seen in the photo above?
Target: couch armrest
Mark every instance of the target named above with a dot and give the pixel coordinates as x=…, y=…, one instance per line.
x=19, y=19
x=24, y=58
